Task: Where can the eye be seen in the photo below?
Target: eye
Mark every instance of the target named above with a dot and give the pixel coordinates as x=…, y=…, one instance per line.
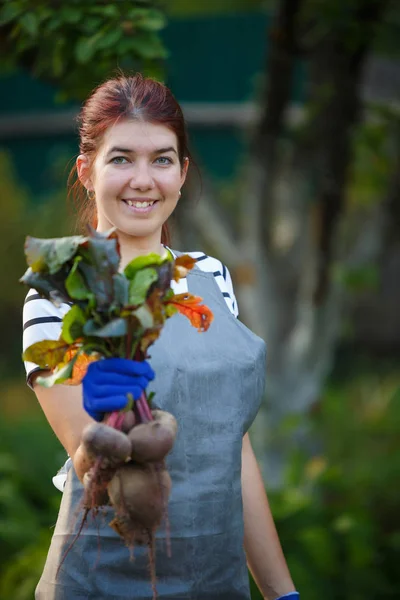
x=165, y=160
x=118, y=160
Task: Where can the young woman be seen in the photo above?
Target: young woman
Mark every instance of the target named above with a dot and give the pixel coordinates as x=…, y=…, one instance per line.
x=132, y=165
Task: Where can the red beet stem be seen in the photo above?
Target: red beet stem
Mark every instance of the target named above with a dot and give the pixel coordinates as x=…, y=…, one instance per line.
x=142, y=413
x=115, y=420
x=144, y=407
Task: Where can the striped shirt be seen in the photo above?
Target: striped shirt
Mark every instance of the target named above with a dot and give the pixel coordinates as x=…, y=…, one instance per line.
x=42, y=319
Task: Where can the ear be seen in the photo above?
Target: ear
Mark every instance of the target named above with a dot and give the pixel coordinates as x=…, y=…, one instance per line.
x=184, y=170
x=84, y=171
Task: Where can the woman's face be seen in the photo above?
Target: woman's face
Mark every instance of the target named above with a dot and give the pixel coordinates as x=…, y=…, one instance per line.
x=136, y=177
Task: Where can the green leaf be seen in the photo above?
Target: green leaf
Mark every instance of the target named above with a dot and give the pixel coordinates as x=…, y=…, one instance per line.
x=109, y=10
x=121, y=290
x=86, y=47
x=93, y=344
x=75, y=283
x=9, y=12
x=115, y=328
x=92, y=24
x=29, y=23
x=101, y=250
x=147, y=19
x=141, y=262
x=73, y=322
x=51, y=287
x=147, y=45
x=50, y=254
x=47, y=353
x=169, y=294
x=57, y=62
x=101, y=286
x=72, y=15
x=53, y=23
x=170, y=310
x=360, y=279
x=24, y=43
x=144, y=316
x=140, y=285
x=59, y=374
x=109, y=39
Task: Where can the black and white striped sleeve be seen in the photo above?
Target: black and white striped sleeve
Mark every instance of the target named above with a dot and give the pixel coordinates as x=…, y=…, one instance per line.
x=222, y=278
x=41, y=321
x=229, y=286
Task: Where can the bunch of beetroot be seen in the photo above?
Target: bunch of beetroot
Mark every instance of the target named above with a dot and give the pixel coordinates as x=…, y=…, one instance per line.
x=129, y=471
x=113, y=314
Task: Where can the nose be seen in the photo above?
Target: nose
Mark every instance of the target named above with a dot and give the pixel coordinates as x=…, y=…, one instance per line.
x=141, y=177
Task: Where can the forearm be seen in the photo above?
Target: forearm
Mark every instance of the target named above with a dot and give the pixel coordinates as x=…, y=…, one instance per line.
x=63, y=407
x=263, y=550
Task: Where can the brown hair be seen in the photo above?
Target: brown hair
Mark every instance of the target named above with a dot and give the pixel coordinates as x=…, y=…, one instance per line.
x=133, y=97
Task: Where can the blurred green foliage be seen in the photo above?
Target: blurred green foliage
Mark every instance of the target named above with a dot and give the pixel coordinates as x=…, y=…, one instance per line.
x=183, y=8
x=76, y=44
x=30, y=455
x=375, y=155
x=337, y=514
x=21, y=217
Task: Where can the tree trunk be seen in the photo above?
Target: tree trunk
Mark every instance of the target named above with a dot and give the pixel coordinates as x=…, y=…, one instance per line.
x=291, y=209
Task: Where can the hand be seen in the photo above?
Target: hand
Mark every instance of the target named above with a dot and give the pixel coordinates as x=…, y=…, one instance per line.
x=107, y=383
x=290, y=596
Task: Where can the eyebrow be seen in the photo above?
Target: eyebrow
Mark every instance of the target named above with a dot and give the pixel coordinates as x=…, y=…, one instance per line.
x=130, y=151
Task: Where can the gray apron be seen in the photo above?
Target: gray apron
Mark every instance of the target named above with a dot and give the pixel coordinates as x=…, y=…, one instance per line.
x=213, y=383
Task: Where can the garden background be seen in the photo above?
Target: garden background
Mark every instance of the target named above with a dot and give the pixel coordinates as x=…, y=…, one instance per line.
x=294, y=121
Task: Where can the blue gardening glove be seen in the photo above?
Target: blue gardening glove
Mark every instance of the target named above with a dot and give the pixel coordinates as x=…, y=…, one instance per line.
x=107, y=383
x=290, y=596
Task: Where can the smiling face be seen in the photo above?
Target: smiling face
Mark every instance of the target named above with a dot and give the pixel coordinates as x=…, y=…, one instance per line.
x=136, y=177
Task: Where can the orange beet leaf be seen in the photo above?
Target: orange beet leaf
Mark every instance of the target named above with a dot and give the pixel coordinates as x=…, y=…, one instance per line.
x=183, y=264
x=199, y=315
x=80, y=366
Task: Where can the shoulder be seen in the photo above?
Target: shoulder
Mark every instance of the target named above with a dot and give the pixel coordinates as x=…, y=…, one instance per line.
x=221, y=273
x=41, y=320
x=206, y=263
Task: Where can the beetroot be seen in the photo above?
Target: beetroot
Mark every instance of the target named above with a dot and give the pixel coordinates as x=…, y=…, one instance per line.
x=152, y=441
x=101, y=440
x=138, y=493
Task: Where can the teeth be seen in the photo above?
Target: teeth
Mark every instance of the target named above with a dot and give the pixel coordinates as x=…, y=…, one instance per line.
x=139, y=204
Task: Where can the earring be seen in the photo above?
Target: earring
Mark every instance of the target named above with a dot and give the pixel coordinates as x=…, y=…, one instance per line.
x=91, y=194
x=180, y=193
